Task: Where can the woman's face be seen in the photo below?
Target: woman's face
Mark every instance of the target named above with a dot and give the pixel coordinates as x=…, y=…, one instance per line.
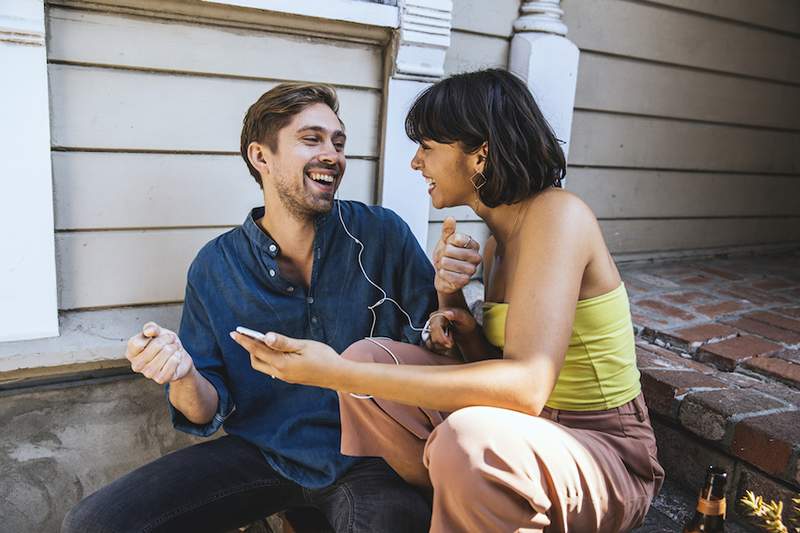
x=447, y=169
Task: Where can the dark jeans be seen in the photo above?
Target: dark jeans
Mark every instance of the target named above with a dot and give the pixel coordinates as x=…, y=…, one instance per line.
x=226, y=483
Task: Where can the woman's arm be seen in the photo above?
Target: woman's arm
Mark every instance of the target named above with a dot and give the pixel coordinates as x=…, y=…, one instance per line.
x=542, y=292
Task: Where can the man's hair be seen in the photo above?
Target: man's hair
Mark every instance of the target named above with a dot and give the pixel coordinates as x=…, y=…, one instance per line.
x=495, y=107
x=275, y=109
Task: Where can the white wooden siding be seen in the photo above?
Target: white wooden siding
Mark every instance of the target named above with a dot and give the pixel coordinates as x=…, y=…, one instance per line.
x=686, y=117
x=145, y=129
x=687, y=131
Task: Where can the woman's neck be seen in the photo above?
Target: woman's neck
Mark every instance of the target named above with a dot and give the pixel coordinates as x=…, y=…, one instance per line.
x=503, y=221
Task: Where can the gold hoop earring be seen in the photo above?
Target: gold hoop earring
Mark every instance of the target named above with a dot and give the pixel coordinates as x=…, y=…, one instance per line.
x=482, y=180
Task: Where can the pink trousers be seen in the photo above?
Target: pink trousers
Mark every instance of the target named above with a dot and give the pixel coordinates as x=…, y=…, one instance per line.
x=496, y=470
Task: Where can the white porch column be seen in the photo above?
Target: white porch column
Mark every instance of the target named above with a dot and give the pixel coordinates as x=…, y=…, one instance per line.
x=420, y=47
x=548, y=61
x=28, y=301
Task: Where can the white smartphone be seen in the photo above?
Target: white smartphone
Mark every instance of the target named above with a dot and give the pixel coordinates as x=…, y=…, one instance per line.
x=253, y=334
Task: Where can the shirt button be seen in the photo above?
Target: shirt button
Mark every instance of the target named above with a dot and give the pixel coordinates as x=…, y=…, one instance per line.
x=272, y=272
x=310, y=299
x=314, y=320
x=273, y=248
x=289, y=289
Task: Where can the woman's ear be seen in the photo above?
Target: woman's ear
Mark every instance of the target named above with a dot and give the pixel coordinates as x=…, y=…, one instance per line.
x=483, y=154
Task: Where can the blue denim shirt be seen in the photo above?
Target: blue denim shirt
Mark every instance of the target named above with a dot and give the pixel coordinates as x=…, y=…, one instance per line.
x=235, y=281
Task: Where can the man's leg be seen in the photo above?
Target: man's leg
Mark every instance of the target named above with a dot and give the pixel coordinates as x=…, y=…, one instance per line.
x=213, y=486
x=372, y=498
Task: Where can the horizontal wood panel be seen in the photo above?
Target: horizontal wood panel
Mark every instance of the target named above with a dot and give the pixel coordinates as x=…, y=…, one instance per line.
x=624, y=85
x=778, y=14
x=652, y=32
x=477, y=230
x=168, y=190
x=634, y=193
x=114, y=268
x=601, y=139
x=102, y=108
x=470, y=52
x=660, y=235
x=626, y=193
x=156, y=44
x=490, y=18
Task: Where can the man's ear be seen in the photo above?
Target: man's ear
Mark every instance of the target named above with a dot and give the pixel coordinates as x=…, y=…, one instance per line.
x=255, y=154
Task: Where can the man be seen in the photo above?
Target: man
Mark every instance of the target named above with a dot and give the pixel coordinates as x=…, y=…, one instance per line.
x=291, y=267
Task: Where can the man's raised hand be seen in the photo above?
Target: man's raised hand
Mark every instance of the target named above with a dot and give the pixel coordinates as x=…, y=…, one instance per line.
x=157, y=354
x=456, y=258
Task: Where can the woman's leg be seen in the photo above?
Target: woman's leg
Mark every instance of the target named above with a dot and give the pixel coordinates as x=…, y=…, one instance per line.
x=499, y=470
x=380, y=428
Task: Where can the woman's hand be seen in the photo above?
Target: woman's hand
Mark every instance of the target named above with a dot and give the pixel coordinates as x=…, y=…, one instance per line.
x=446, y=325
x=291, y=360
x=456, y=258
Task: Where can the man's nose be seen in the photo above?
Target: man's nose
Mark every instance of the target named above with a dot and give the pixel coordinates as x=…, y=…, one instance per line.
x=329, y=155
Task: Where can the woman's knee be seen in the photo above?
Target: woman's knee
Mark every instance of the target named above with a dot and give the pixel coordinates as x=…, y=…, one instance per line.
x=456, y=445
x=367, y=351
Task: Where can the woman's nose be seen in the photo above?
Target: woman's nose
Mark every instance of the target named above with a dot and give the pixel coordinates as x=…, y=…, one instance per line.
x=416, y=161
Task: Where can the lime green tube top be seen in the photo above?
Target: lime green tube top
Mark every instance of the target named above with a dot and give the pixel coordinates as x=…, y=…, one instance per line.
x=599, y=370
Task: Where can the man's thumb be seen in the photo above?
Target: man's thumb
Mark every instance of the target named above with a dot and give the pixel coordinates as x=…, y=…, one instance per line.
x=448, y=228
x=282, y=343
x=151, y=329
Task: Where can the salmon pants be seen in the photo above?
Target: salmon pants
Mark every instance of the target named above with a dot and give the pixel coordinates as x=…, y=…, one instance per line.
x=497, y=470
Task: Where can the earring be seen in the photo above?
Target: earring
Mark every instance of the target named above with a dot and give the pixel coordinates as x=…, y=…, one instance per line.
x=482, y=180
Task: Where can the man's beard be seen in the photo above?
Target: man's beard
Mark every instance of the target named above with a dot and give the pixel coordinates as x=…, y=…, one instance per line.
x=299, y=203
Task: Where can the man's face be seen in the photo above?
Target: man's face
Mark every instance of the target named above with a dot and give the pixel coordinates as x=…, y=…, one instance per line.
x=308, y=166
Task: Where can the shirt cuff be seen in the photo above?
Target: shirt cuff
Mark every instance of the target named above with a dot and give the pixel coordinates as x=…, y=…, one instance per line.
x=225, y=408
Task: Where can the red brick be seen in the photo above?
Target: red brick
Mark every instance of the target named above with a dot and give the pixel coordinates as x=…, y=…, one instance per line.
x=775, y=320
x=699, y=279
x=765, y=330
x=751, y=295
x=695, y=336
x=775, y=389
x=665, y=309
x=790, y=354
x=664, y=358
x=790, y=311
x=781, y=369
x=706, y=413
x=773, y=284
x=662, y=386
x=768, y=441
x=727, y=354
x=687, y=297
x=722, y=308
x=720, y=272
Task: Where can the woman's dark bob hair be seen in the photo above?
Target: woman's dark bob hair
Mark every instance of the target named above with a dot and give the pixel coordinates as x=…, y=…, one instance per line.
x=496, y=107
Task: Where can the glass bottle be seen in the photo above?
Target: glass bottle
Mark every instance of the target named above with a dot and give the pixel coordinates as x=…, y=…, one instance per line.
x=710, y=514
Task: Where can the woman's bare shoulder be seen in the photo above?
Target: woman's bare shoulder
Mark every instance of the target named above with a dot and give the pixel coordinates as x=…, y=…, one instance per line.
x=555, y=206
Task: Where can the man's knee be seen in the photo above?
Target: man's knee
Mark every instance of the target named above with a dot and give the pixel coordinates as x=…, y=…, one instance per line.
x=88, y=516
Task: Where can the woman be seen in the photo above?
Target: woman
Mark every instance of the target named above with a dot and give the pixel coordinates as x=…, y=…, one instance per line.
x=543, y=424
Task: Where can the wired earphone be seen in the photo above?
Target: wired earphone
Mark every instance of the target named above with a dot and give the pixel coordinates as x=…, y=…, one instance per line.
x=424, y=330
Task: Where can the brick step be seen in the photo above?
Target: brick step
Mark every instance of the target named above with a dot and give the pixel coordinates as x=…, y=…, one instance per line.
x=746, y=424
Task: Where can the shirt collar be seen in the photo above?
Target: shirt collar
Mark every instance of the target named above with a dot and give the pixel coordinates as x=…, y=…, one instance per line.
x=262, y=239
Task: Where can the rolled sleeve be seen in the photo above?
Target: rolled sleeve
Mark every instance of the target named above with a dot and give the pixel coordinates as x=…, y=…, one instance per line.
x=198, y=339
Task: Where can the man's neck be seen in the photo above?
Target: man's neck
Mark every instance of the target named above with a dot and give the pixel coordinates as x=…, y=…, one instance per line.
x=294, y=235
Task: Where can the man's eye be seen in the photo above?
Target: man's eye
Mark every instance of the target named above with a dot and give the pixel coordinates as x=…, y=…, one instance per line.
x=339, y=146
x=310, y=139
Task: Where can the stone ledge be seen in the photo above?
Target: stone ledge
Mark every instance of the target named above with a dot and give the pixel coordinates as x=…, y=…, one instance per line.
x=87, y=337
